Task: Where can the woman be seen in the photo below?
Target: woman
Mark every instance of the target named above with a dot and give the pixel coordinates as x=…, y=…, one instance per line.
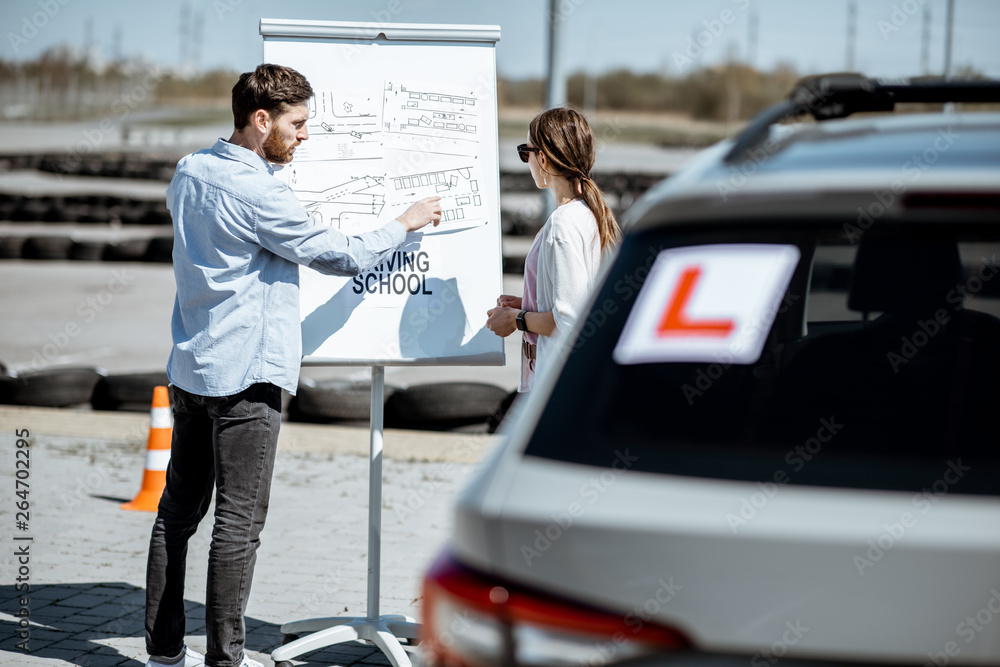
x=563, y=261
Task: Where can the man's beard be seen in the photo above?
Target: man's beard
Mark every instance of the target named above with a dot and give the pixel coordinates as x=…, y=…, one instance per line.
x=277, y=151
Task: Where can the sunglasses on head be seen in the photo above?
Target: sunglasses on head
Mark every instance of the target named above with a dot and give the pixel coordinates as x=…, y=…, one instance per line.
x=524, y=151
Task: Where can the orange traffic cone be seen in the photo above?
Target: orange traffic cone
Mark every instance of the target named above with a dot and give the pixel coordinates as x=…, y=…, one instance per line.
x=154, y=477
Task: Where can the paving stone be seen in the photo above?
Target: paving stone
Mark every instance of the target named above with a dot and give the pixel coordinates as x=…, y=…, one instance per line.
x=9, y=645
x=83, y=601
x=51, y=592
x=119, y=626
x=107, y=591
x=75, y=628
x=45, y=634
x=115, y=610
x=50, y=614
x=65, y=655
x=87, y=619
x=74, y=645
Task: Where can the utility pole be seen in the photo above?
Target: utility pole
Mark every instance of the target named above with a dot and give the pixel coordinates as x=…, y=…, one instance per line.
x=185, y=35
x=88, y=41
x=197, y=34
x=852, y=32
x=555, y=92
x=948, y=35
x=590, y=77
x=925, y=45
x=116, y=45
x=752, y=38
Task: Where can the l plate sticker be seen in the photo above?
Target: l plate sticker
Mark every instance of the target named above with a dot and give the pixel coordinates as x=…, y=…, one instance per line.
x=707, y=303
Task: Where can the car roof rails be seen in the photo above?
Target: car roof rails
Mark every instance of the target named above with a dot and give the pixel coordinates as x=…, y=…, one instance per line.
x=829, y=96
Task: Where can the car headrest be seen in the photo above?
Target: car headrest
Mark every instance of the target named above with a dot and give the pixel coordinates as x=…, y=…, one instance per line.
x=904, y=275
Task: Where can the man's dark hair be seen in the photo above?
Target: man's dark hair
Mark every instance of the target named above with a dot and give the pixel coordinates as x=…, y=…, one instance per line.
x=272, y=88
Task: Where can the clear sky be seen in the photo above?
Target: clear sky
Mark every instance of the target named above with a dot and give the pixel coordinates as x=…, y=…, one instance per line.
x=599, y=35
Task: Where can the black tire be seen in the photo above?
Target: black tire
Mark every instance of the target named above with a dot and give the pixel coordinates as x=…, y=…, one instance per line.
x=58, y=211
x=513, y=265
x=76, y=207
x=95, y=214
x=165, y=171
x=47, y=247
x=52, y=388
x=445, y=404
x=112, y=169
x=133, y=250
x=157, y=215
x=90, y=167
x=496, y=419
x=130, y=392
x=29, y=210
x=513, y=223
x=131, y=215
x=324, y=400
x=134, y=168
x=11, y=247
x=87, y=251
x=161, y=249
x=6, y=208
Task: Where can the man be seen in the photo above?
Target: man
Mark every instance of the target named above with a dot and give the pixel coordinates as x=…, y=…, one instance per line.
x=239, y=236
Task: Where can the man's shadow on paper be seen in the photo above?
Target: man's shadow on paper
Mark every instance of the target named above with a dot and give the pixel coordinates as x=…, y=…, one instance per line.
x=434, y=326
x=431, y=326
x=331, y=317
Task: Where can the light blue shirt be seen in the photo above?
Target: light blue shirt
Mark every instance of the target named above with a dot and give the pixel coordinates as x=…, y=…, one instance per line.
x=239, y=236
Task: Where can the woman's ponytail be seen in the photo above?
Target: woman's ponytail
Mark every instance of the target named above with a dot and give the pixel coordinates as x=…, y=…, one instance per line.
x=607, y=227
x=564, y=135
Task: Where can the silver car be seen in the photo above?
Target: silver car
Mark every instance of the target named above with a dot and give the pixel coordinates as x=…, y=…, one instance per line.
x=775, y=436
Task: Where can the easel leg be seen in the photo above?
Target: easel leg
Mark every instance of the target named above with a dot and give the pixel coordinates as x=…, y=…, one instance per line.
x=383, y=631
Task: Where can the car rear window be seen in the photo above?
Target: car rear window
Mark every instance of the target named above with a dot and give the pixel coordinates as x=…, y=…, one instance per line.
x=881, y=368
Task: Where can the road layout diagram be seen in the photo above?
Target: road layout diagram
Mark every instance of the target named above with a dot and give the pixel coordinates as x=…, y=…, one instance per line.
x=461, y=200
x=431, y=118
x=350, y=197
x=338, y=173
x=434, y=125
x=371, y=153
x=343, y=125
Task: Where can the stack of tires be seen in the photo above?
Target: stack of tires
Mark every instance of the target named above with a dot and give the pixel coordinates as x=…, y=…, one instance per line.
x=52, y=388
x=474, y=407
x=130, y=392
x=87, y=214
x=442, y=406
x=66, y=387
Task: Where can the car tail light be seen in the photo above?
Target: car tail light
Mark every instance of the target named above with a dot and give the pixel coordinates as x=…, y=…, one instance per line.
x=473, y=620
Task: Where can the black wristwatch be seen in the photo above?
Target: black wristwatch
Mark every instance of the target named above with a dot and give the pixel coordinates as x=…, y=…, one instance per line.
x=521, y=324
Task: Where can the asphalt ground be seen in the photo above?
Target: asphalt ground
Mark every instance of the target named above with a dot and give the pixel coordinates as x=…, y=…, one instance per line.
x=86, y=557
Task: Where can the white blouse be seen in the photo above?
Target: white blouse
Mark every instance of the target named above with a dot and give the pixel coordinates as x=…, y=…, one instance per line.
x=569, y=257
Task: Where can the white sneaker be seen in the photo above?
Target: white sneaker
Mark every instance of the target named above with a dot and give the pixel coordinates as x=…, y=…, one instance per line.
x=191, y=659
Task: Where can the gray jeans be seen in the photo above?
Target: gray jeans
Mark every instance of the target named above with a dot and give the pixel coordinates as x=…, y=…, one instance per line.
x=226, y=443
